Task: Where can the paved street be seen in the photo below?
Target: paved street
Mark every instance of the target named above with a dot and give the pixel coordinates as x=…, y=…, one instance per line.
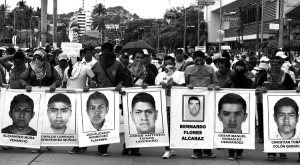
x=150, y=156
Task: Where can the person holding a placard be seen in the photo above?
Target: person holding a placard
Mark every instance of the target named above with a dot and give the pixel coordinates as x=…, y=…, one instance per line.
x=201, y=75
x=16, y=69
x=40, y=73
x=136, y=75
x=21, y=112
x=275, y=79
x=170, y=77
x=286, y=116
x=59, y=112
x=232, y=113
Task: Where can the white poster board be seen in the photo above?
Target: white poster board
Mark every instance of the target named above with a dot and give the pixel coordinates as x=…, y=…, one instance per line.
x=71, y=46
x=59, y=119
x=281, y=121
x=192, y=118
x=98, y=120
x=21, y=118
x=145, y=117
x=235, y=119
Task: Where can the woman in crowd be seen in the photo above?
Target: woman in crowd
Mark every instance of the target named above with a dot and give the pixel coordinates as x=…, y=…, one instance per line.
x=76, y=75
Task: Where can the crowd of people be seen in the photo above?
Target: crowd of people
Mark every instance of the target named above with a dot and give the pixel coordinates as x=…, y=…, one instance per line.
x=51, y=69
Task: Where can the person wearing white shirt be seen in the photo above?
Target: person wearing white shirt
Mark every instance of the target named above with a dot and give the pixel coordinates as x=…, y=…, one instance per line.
x=88, y=59
x=167, y=78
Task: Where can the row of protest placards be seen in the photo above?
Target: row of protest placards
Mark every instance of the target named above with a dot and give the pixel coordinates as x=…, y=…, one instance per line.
x=199, y=119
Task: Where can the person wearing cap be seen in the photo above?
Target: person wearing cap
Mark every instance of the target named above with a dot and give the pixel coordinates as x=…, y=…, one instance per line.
x=275, y=79
x=63, y=64
x=76, y=74
x=261, y=69
x=40, y=73
x=170, y=77
x=215, y=61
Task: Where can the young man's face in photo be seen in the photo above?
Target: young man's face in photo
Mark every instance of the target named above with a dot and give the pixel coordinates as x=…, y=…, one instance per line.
x=97, y=111
x=21, y=114
x=144, y=116
x=194, y=107
x=59, y=114
x=232, y=116
x=286, y=119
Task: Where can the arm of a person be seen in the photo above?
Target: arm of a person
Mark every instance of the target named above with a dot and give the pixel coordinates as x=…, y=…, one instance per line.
x=120, y=74
x=214, y=78
x=289, y=82
x=65, y=79
x=186, y=76
x=4, y=63
x=56, y=78
x=25, y=77
x=227, y=83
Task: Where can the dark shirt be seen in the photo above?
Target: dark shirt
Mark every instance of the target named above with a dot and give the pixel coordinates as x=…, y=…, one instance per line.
x=115, y=71
x=8, y=131
x=288, y=83
x=129, y=78
x=153, y=69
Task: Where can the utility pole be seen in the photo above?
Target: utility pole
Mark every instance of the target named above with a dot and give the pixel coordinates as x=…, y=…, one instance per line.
x=158, y=37
x=257, y=27
x=280, y=43
x=184, y=35
x=220, y=39
x=262, y=22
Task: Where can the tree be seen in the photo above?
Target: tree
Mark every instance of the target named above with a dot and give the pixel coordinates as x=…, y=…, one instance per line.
x=99, y=10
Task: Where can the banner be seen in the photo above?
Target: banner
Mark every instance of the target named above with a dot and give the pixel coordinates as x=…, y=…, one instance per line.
x=70, y=46
x=235, y=119
x=191, y=118
x=99, y=117
x=21, y=118
x=145, y=117
x=59, y=120
x=281, y=116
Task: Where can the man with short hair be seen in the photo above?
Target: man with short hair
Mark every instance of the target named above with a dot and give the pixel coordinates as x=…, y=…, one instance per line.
x=124, y=59
x=149, y=65
x=181, y=64
x=286, y=116
x=232, y=113
x=201, y=75
x=144, y=114
x=97, y=108
x=224, y=71
x=88, y=58
x=59, y=112
x=194, y=107
x=21, y=112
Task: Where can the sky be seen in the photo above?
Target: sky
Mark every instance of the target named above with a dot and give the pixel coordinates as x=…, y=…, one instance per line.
x=143, y=8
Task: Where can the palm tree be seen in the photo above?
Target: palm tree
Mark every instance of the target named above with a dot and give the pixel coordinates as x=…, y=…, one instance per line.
x=55, y=23
x=100, y=10
x=44, y=4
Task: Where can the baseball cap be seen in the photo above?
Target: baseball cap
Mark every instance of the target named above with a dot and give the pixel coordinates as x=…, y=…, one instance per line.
x=281, y=54
x=62, y=56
